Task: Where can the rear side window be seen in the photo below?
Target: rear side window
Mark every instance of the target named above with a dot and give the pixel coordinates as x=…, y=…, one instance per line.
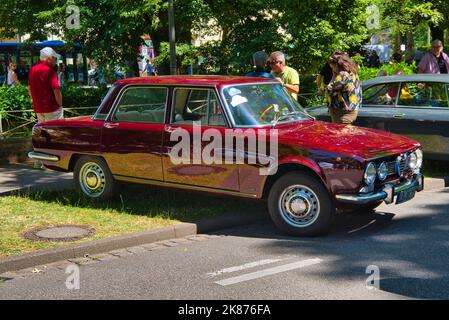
x=381, y=94
x=141, y=104
x=424, y=94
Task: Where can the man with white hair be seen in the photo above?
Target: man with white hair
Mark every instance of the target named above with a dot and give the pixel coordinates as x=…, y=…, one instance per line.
x=434, y=61
x=288, y=76
x=44, y=87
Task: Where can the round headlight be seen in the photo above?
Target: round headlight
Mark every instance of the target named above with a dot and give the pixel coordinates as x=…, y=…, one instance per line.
x=419, y=157
x=382, y=171
x=370, y=173
x=412, y=160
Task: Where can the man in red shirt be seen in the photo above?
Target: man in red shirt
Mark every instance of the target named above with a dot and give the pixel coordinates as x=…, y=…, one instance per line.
x=43, y=86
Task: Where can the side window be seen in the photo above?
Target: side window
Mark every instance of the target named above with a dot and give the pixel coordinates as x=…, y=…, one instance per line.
x=142, y=105
x=426, y=94
x=381, y=95
x=191, y=105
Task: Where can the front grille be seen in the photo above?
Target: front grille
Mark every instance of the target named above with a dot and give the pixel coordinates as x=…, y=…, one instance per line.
x=399, y=166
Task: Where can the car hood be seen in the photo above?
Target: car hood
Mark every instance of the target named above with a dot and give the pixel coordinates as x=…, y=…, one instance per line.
x=346, y=140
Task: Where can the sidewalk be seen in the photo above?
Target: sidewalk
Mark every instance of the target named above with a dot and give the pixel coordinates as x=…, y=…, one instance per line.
x=22, y=177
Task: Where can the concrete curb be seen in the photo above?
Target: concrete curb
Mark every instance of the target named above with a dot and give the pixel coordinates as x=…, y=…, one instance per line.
x=180, y=230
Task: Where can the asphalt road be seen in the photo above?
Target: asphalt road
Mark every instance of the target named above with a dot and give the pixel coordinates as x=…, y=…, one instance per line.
x=408, y=244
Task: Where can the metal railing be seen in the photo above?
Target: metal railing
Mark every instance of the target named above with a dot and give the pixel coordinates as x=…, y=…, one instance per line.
x=27, y=122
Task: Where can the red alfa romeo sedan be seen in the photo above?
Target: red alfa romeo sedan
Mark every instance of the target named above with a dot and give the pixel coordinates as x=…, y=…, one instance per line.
x=236, y=136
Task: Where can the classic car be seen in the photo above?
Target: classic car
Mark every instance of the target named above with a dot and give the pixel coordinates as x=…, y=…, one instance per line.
x=416, y=106
x=317, y=167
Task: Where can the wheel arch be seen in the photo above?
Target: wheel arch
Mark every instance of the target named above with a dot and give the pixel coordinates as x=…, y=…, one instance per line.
x=75, y=157
x=293, y=165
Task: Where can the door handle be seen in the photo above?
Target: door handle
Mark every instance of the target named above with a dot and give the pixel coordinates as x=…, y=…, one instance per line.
x=110, y=125
x=170, y=129
x=399, y=115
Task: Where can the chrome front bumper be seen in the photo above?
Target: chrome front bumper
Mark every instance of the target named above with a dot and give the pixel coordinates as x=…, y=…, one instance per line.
x=43, y=156
x=387, y=194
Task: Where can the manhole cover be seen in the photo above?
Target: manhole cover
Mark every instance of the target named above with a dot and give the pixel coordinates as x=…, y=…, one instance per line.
x=59, y=233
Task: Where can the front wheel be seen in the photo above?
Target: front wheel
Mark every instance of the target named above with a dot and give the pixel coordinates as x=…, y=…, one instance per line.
x=300, y=205
x=93, y=178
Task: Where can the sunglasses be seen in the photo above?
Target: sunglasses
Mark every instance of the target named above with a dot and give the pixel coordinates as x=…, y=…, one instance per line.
x=274, y=62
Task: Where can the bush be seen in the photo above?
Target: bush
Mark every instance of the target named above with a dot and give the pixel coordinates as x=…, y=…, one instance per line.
x=15, y=98
x=74, y=96
x=366, y=73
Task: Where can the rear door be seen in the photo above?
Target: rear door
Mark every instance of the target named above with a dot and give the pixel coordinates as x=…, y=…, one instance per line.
x=132, y=133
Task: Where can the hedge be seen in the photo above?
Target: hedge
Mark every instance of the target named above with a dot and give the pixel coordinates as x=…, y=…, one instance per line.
x=17, y=98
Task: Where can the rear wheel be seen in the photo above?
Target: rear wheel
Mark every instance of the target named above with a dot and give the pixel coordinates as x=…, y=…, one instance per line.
x=300, y=205
x=93, y=178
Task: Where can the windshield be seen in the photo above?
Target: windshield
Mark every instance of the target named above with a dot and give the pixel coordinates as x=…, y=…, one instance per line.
x=262, y=104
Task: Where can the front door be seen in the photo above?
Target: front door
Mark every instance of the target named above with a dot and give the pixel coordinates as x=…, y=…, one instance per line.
x=132, y=135
x=196, y=115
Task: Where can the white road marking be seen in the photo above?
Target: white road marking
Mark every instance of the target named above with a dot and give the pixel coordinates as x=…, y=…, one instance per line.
x=244, y=266
x=268, y=272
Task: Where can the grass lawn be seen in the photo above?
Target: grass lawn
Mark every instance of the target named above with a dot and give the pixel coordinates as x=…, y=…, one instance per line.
x=435, y=169
x=134, y=209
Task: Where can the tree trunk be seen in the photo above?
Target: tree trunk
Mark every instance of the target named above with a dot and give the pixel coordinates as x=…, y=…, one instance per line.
x=437, y=32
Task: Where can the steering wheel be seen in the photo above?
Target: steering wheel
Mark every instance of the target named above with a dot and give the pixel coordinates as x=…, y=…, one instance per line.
x=265, y=111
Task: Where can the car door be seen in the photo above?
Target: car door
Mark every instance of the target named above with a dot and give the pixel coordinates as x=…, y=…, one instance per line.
x=423, y=114
x=132, y=133
x=195, y=114
x=378, y=106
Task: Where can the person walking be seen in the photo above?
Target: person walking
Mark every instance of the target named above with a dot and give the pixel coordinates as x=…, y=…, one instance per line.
x=345, y=91
x=149, y=70
x=260, y=59
x=44, y=87
x=12, y=80
x=287, y=76
x=434, y=61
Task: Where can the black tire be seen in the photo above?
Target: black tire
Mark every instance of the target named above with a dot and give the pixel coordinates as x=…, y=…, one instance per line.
x=306, y=194
x=93, y=178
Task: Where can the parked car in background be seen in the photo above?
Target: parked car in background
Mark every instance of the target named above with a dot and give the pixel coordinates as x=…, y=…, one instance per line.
x=319, y=166
x=416, y=106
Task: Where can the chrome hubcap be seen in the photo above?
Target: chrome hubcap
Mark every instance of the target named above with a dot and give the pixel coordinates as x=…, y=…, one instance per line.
x=299, y=206
x=92, y=179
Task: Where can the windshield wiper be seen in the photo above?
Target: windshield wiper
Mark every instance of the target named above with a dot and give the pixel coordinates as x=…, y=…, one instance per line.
x=283, y=117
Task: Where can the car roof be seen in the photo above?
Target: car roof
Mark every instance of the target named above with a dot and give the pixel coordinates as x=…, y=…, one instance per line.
x=209, y=80
x=408, y=77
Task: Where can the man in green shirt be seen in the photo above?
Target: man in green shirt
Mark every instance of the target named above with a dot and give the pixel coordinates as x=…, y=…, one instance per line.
x=287, y=76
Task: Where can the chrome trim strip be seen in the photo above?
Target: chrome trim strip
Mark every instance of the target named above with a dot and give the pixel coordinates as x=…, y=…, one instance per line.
x=182, y=186
x=43, y=156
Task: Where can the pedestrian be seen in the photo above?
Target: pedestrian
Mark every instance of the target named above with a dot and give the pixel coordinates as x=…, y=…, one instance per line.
x=326, y=74
x=434, y=61
x=12, y=80
x=2, y=73
x=287, y=76
x=44, y=87
x=260, y=59
x=22, y=72
x=397, y=56
x=61, y=74
x=345, y=91
x=149, y=70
